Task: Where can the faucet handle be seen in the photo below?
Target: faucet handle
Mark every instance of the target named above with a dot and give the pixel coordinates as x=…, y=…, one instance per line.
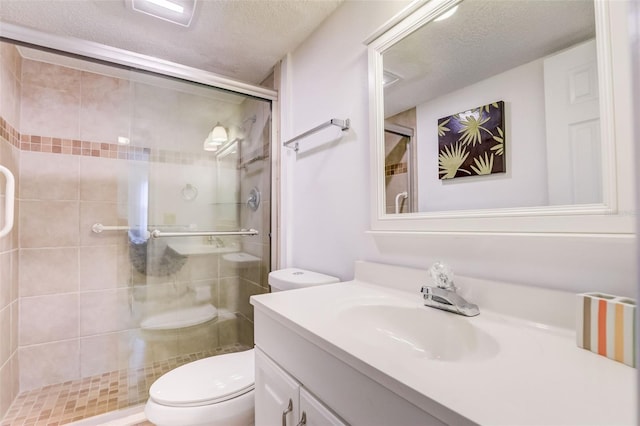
x=448, y=300
x=442, y=276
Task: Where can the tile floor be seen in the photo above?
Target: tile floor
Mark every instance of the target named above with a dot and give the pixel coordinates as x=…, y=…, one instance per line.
x=79, y=399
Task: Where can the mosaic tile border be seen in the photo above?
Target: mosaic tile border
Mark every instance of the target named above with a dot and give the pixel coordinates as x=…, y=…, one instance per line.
x=9, y=133
x=84, y=148
x=75, y=400
x=395, y=169
x=39, y=143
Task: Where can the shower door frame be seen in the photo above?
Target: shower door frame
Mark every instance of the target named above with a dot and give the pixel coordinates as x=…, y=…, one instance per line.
x=112, y=55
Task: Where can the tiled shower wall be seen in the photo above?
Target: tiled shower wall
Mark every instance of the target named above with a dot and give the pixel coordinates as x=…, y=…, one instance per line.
x=81, y=301
x=9, y=254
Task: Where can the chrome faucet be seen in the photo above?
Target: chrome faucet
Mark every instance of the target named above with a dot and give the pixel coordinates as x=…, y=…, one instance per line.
x=443, y=295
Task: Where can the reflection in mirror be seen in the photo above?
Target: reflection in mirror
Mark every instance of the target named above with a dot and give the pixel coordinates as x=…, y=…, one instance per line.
x=539, y=57
x=398, y=163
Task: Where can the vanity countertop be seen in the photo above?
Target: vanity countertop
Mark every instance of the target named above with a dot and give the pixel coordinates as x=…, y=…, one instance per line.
x=527, y=373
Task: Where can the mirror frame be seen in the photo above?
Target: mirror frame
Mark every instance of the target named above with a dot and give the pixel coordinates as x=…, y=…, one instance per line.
x=615, y=215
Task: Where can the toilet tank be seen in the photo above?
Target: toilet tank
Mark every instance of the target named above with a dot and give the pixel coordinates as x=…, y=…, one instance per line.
x=292, y=278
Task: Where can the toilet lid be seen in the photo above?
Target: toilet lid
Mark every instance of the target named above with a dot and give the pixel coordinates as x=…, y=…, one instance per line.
x=207, y=381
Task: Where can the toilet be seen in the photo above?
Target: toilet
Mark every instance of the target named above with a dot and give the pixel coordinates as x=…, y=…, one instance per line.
x=218, y=390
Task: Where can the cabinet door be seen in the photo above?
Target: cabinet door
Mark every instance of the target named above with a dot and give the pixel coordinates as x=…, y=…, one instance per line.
x=275, y=391
x=315, y=413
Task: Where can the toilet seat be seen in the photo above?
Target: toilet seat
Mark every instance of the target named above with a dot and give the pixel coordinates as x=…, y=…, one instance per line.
x=207, y=381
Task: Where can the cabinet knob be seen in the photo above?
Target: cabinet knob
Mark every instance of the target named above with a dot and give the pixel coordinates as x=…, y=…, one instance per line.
x=287, y=411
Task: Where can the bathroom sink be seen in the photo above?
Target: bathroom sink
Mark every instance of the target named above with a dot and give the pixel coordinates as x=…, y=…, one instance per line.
x=417, y=331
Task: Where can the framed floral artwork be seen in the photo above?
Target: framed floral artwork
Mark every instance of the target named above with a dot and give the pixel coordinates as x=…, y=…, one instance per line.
x=472, y=142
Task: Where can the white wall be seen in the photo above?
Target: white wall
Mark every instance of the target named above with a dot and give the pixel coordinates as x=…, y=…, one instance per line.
x=525, y=183
x=326, y=188
x=328, y=180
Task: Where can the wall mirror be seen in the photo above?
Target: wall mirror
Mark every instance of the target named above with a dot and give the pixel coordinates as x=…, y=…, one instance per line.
x=499, y=111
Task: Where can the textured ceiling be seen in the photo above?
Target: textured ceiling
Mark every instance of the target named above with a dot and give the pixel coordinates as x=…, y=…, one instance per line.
x=241, y=39
x=483, y=38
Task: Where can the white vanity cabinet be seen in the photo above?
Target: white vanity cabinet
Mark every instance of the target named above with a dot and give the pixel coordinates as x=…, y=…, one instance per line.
x=292, y=363
x=280, y=399
x=374, y=356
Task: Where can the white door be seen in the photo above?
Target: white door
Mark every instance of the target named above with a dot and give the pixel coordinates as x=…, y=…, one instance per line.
x=572, y=112
x=314, y=413
x=276, y=394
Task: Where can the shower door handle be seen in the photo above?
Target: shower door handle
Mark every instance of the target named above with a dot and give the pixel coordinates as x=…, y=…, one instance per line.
x=10, y=187
x=156, y=233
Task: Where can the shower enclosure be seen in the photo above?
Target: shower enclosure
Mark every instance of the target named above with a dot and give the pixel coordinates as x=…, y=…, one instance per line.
x=139, y=237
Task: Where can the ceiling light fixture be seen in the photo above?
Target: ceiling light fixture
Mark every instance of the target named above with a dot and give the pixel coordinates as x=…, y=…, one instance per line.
x=179, y=12
x=448, y=14
x=219, y=134
x=216, y=137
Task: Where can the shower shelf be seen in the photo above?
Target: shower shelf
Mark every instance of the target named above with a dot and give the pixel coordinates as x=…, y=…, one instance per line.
x=180, y=318
x=343, y=124
x=187, y=249
x=241, y=258
x=253, y=160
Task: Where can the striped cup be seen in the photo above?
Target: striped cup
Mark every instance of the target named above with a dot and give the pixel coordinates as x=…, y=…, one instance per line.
x=606, y=325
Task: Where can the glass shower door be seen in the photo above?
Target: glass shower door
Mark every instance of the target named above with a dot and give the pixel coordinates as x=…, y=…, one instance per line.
x=108, y=155
x=198, y=247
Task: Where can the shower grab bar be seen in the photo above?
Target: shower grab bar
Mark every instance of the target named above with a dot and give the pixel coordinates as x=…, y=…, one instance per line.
x=343, y=124
x=156, y=233
x=98, y=228
x=10, y=188
x=404, y=195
